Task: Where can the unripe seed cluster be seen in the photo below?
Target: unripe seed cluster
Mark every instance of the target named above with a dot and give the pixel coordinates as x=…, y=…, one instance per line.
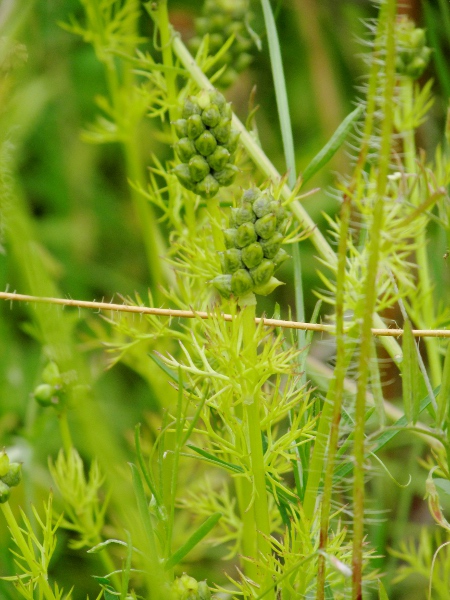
x=206, y=144
x=412, y=55
x=188, y=588
x=48, y=392
x=253, y=246
x=10, y=476
x=221, y=19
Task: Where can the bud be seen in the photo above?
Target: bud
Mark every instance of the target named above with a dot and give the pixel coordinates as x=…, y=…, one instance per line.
x=266, y=226
x=233, y=141
x=185, y=149
x=180, y=127
x=267, y=288
x=198, y=168
x=251, y=195
x=184, y=176
x=230, y=238
x=223, y=130
x=4, y=463
x=244, y=214
x=219, y=158
x=232, y=260
x=263, y=272
x=211, y=116
x=44, y=394
x=252, y=255
x=246, y=235
x=261, y=206
x=203, y=591
x=14, y=475
x=191, y=107
x=241, y=282
x=5, y=492
x=184, y=588
x=195, y=127
x=222, y=283
x=207, y=188
x=219, y=100
x=51, y=374
x=227, y=175
x=280, y=257
x=203, y=99
x=271, y=246
x=206, y=143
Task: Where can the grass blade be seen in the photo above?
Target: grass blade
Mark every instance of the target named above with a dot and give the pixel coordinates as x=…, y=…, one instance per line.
x=195, y=538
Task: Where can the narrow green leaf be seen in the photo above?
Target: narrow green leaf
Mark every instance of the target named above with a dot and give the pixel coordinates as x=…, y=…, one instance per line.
x=147, y=475
x=127, y=569
x=333, y=145
x=162, y=365
x=328, y=592
x=143, y=510
x=382, y=594
x=217, y=461
x=443, y=400
x=195, y=538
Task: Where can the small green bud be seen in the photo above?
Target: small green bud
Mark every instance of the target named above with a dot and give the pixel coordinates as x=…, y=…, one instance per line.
x=184, y=176
x=232, y=260
x=206, y=143
x=263, y=272
x=219, y=158
x=261, y=207
x=218, y=99
x=14, y=475
x=203, y=591
x=266, y=226
x=180, y=127
x=5, y=492
x=230, y=236
x=203, y=99
x=191, y=107
x=222, y=131
x=207, y=188
x=227, y=175
x=185, y=149
x=241, y=282
x=280, y=257
x=211, y=116
x=44, y=394
x=4, y=463
x=222, y=283
x=246, y=235
x=243, y=214
x=252, y=255
x=184, y=588
x=233, y=141
x=195, y=126
x=51, y=374
x=198, y=168
x=251, y=195
x=272, y=245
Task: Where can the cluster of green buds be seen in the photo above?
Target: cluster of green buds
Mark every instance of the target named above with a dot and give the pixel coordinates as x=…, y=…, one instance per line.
x=10, y=476
x=188, y=588
x=222, y=19
x=49, y=392
x=253, y=246
x=412, y=53
x=206, y=144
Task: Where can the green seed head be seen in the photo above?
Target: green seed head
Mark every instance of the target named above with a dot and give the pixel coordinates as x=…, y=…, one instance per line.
x=251, y=195
x=231, y=260
x=191, y=107
x=230, y=236
x=185, y=149
x=261, y=206
x=4, y=463
x=263, y=272
x=243, y=214
x=45, y=394
x=233, y=141
x=280, y=257
x=219, y=100
x=207, y=188
x=211, y=116
x=222, y=283
x=5, y=492
x=206, y=143
x=267, y=288
x=241, y=282
x=195, y=126
x=51, y=374
x=203, y=591
x=222, y=130
x=198, y=168
x=271, y=246
x=14, y=475
x=252, y=255
x=266, y=226
x=246, y=235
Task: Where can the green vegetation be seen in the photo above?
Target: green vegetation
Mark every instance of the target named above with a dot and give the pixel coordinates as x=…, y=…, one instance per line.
x=199, y=452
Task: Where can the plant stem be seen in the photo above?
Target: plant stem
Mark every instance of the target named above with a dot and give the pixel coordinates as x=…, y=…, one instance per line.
x=65, y=432
x=367, y=305
x=427, y=304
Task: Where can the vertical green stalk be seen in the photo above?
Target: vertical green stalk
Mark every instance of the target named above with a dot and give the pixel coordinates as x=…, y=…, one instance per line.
x=339, y=377
x=368, y=303
x=427, y=312
x=251, y=409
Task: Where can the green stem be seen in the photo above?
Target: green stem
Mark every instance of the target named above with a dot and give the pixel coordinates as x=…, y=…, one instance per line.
x=339, y=378
x=251, y=409
x=426, y=299
x=65, y=432
x=367, y=306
